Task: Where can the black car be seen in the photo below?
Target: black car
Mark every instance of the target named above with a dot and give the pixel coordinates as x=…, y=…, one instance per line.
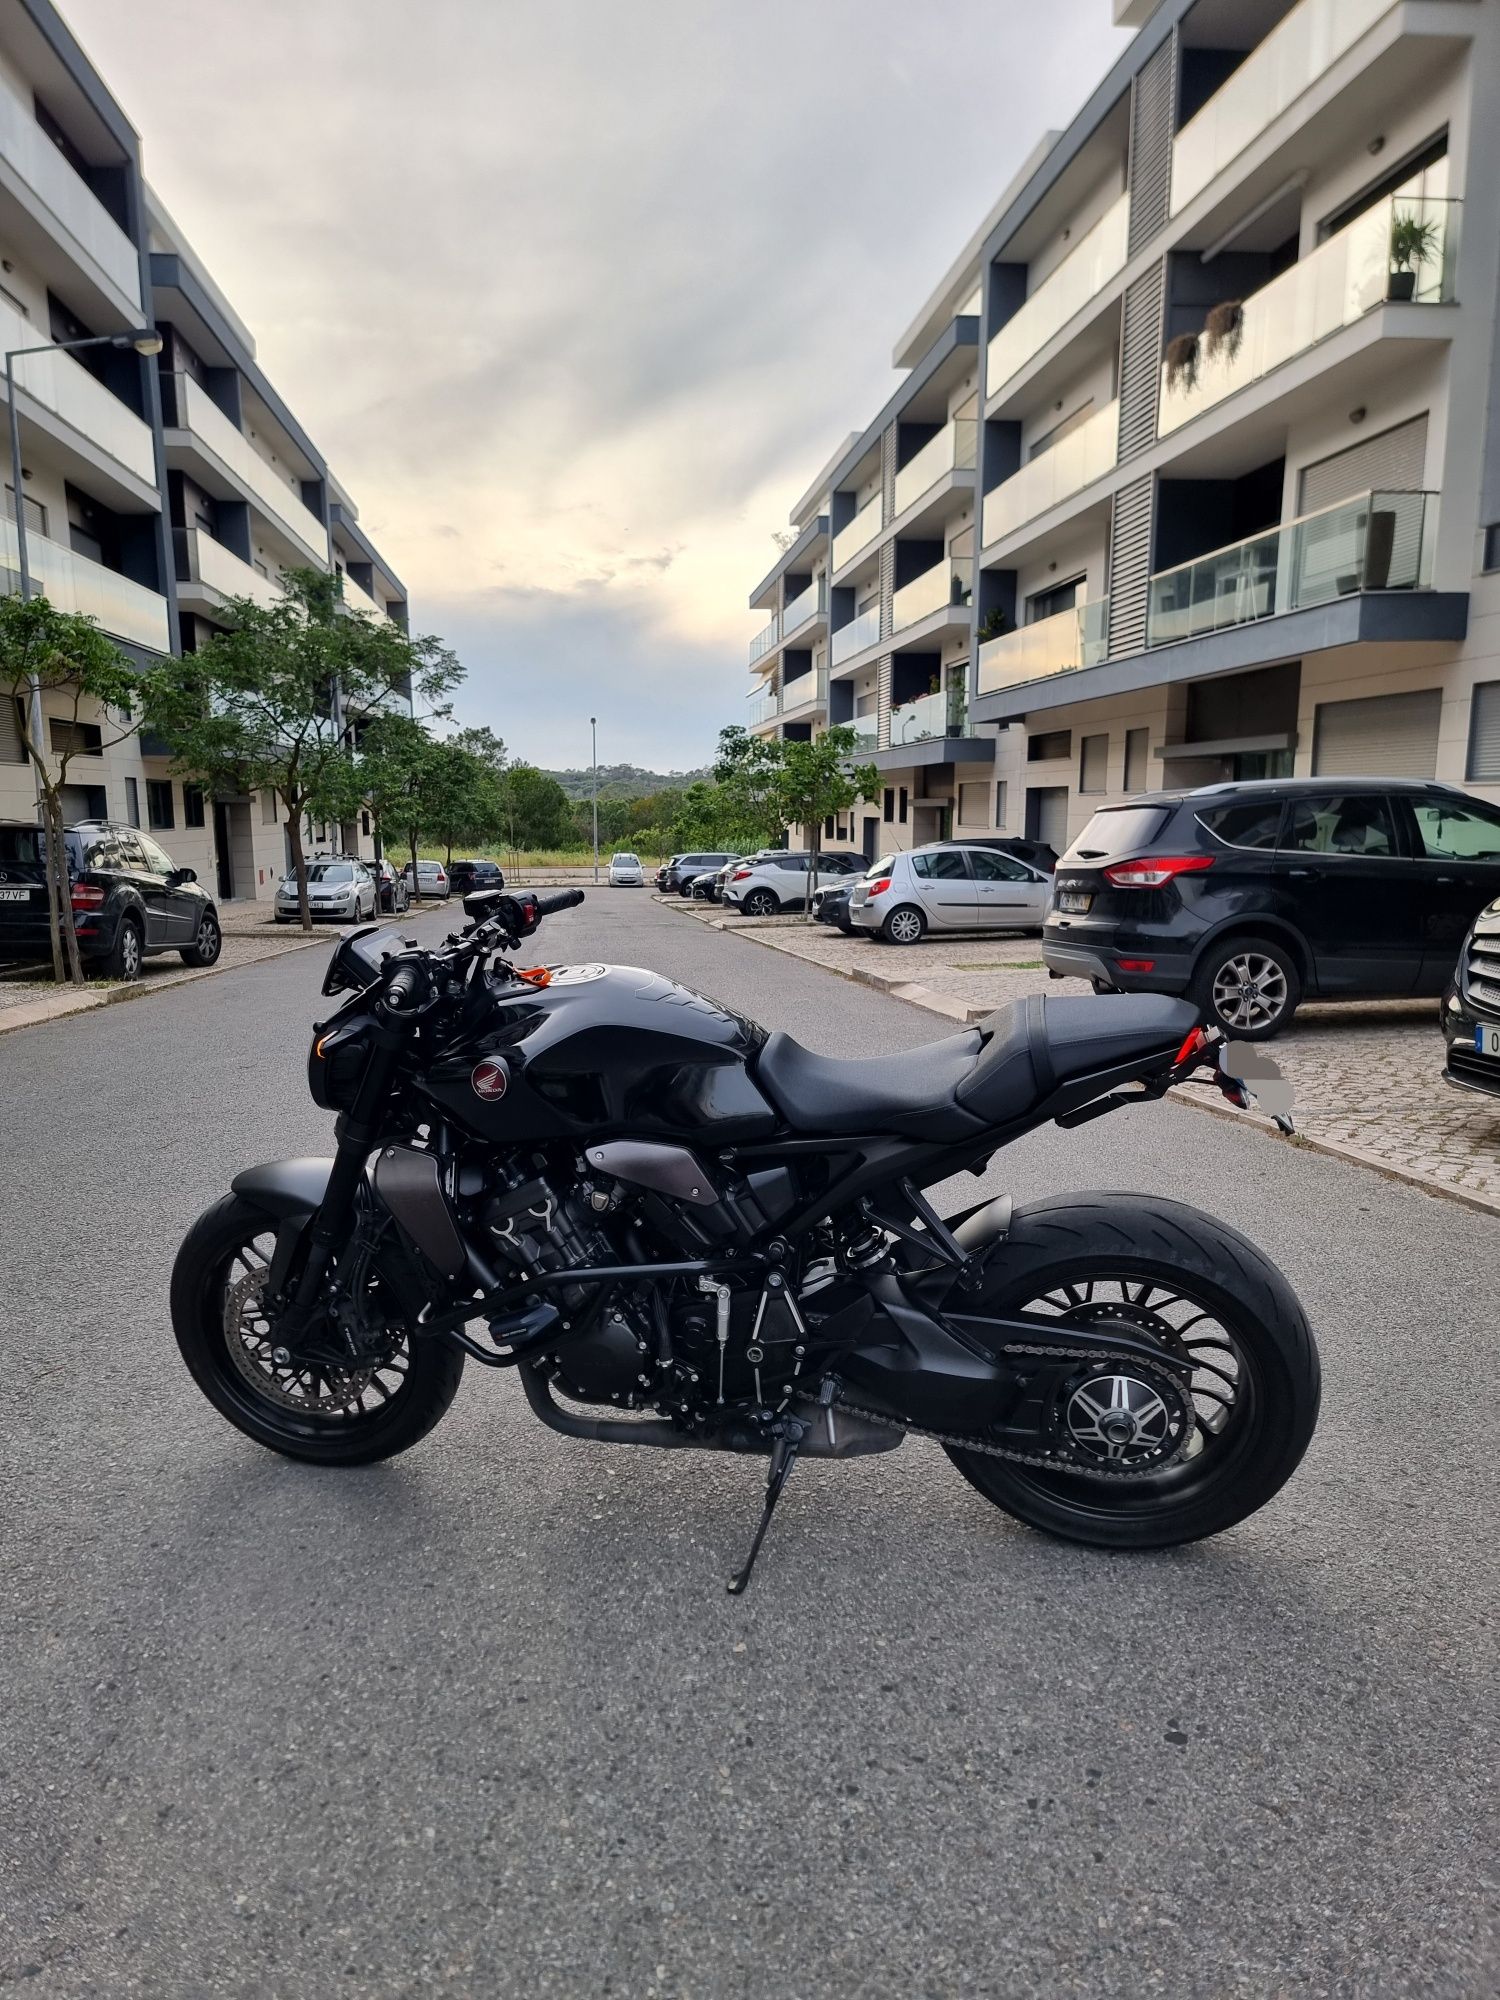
x=464, y=877
x=1040, y=853
x=1250, y=897
x=390, y=886
x=129, y=899
x=1470, y=1013
x=830, y=905
x=678, y=873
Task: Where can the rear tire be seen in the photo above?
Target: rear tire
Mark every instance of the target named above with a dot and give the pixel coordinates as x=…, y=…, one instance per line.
x=1249, y=987
x=127, y=952
x=761, y=903
x=1086, y=1241
x=904, y=925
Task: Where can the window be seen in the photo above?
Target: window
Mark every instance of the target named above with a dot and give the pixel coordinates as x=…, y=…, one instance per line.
x=268, y=808
x=949, y=864
x=1253, y=825
x=1454, y=832
x=128, y=847
x=102, y=855
x=888, y=809
x=1093, y=764
x=1050, y=743
x=828, y=833
x=1117, y=831
x=159, y=803
x=1491, y=557
x=192, y=805
x=340, y=871
x=1001, y=802
x=1137, y=749
x=1047, y=603
x=132, y=799
x=36, y=513
x=902, y=797
x=82, y=739
x=1484, y=734
x=974, y=804
x=794, y=864
x=364, y=824
x=992, y=867
x=158, y=861
x=1341, y=823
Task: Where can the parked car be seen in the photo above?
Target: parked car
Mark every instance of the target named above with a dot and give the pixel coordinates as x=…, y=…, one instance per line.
x=466, y=876
x=680, y=870
x=830, y=905
x=129, y=899
x=626, y=872
x=1250, y=897
x=765, y=884
x=1038, y=852
x=337, y=887
x=431, y=881
x=1470, y=1013
x=948, y=886
x=391, y=886
x=701, y=888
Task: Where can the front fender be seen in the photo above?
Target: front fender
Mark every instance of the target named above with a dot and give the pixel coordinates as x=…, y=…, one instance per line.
x=285, y=1188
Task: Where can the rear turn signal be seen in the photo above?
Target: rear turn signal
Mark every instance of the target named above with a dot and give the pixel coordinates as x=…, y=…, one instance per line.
x=87, y=896
x=1152, y=870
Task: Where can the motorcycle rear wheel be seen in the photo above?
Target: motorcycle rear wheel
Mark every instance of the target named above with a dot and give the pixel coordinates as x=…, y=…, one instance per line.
x=1152, y=1265
x=326, y=1416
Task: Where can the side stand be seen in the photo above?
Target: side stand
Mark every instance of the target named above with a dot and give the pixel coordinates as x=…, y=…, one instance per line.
x=783, y=1458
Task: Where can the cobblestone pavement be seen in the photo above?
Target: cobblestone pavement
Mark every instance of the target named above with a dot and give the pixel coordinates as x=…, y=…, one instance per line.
x=1367, y=1074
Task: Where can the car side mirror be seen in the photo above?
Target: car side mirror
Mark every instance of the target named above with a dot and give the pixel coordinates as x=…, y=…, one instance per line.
x=180, y=875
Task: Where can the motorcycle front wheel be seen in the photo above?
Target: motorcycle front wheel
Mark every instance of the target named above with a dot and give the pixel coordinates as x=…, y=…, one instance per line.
x=384, y=1402
x=1139, y=1477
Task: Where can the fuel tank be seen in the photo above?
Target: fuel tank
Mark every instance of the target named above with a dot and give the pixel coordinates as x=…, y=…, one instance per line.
x=602, y=1050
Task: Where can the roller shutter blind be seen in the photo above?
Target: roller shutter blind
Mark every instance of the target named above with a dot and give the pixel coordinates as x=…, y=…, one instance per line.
x=1384, y=736
x=1484, y=734
x=1393, y=462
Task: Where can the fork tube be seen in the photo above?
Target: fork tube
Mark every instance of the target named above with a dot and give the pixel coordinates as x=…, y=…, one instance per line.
x=358, y=1132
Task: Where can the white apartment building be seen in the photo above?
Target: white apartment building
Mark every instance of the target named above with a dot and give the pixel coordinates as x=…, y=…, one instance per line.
x=1194, y=470
x=157, y=487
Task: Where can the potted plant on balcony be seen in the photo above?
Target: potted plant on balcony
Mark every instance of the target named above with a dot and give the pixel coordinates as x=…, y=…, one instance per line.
x=1182, y=361
x=1224, y=328
x=1414, y=242
x=992, y=625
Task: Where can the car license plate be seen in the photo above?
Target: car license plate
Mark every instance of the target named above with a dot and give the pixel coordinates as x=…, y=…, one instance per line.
x=15, y=895
x=1073, y=902
x=1487, y=1041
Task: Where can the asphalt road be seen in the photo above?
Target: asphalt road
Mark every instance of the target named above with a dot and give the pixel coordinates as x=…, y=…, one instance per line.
x=482, y=1721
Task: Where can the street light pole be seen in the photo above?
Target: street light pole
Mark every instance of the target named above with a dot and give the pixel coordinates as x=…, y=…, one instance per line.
x=594, y=752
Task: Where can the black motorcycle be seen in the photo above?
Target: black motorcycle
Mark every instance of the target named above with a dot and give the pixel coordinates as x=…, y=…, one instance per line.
x=649, y=1206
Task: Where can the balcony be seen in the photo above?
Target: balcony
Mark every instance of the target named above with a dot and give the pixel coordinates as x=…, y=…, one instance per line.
x=805, y=606
x=930, y=716
x=1083, y=274
x=356, y=600
x=1339, y=282
x=807, y=691
x=1057, y=645
x=68, y=200
x=1374, y=542
x=932, y=591
x=952, y=449
x=70, y=582
x=858, y=535
x=275, y=496
x=765, y=708
x=854, y=637
x=866, y=734
x=764, y=640
x=1073, y=463
x=62, y=386
x=218, y=571
x=1302, y=45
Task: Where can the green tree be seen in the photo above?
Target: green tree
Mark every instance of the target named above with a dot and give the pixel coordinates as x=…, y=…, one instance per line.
x=390, y=772
x=534, y=808
x=815, y=780
x=84, y=682
x=275, y=701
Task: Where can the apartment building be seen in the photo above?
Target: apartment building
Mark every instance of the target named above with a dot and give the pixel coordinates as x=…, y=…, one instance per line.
x=1194, y=469
x=155, y=485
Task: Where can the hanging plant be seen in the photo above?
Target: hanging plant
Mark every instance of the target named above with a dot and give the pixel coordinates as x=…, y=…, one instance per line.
x=1182, y=361
x=1224, y=329
x=992, y=625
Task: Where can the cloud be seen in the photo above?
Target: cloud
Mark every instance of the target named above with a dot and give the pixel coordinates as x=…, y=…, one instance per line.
x=577, y=297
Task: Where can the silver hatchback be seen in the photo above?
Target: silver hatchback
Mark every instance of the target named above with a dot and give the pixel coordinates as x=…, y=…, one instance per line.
x=949, y=887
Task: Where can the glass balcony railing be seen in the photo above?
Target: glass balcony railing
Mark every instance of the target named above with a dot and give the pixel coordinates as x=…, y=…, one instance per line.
x=1333, y=286
x=70, y=582
x=65, y=387
x=764, y=640
x=804, y=606
x=66, y=197
x=856, y=635
x=806, y=691
x=858, y=535
x=952, y=449
x=196, y=411
x=1292, y=57
x=1097, y=257
x=866, y=734
x=1375, y=541
x=1074, y=462
x=1057, y=645
x=933, y=590
x=765, y=708
x=202, y=560
x=931, y=715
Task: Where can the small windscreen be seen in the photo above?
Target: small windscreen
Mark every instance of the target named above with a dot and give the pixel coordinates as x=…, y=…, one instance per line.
x=330, y=871
x=1117, y=831
x=627, y=861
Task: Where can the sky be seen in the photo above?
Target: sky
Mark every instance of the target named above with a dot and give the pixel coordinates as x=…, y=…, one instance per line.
x=577, y=296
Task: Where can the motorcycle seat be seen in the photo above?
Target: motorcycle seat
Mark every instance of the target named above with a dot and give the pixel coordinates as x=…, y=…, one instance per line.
x=966, y=1084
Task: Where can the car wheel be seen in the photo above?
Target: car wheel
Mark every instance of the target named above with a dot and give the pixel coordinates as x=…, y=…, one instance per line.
x=205, y=948
x=847, y=929
x=761, y=903
x=1249, y=987
x=904, y=925
x=127, y=951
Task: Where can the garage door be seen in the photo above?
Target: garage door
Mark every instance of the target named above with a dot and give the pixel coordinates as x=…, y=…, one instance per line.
x=1047, y=815
x=1386, y=736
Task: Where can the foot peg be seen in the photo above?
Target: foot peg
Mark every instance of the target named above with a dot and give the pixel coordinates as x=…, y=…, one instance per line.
x=783, y=1458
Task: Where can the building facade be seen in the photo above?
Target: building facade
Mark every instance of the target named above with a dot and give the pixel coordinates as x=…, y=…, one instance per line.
x=1194, y=469
x=154, y=487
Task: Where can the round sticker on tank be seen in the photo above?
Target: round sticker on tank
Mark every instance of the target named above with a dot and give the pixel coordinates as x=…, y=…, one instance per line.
x=490, y=1079
x=576, y=975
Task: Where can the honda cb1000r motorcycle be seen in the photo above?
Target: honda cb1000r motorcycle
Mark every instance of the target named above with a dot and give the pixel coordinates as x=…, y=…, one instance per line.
x=713, y=1238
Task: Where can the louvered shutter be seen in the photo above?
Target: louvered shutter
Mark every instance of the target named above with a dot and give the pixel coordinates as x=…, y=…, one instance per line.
x=1484, y=734
x=1393, y=462
x=1384, y=736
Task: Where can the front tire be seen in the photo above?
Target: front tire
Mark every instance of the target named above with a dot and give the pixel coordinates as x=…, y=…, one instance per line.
x=328, y=1417
x=205, y=948
x=1116, y=1258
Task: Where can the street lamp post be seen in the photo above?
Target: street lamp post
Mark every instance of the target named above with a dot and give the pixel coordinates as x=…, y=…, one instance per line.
x=594, y=752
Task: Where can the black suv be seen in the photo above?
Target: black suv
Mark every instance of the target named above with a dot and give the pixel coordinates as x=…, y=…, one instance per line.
x=464, y=877
x=128, y=899
x=1248, y=897
x=1470, y=1013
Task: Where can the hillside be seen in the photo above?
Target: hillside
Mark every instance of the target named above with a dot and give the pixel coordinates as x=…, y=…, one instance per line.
x=624, y=781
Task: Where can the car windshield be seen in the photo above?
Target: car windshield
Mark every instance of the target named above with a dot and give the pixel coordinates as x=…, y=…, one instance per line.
x=1116, y=831
x=330, y=871
x=626, y=861
x=882, y=867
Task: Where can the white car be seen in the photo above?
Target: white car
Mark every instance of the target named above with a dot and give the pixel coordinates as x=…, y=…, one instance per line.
x=344, y=890
x=431, y=881
x=767, y=883
x=626, y=872
x=948, y=886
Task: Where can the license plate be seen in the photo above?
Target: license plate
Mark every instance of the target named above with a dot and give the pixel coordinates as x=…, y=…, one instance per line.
x=1073, y=902
x=1487, y=1041
x=15, y=895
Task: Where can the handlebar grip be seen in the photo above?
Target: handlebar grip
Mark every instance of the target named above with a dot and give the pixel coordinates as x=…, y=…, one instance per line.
x=565, y=899
x=406, y=988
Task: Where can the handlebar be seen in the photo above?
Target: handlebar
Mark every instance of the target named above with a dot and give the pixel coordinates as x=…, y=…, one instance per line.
x=565, y=899
x=406, y=989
